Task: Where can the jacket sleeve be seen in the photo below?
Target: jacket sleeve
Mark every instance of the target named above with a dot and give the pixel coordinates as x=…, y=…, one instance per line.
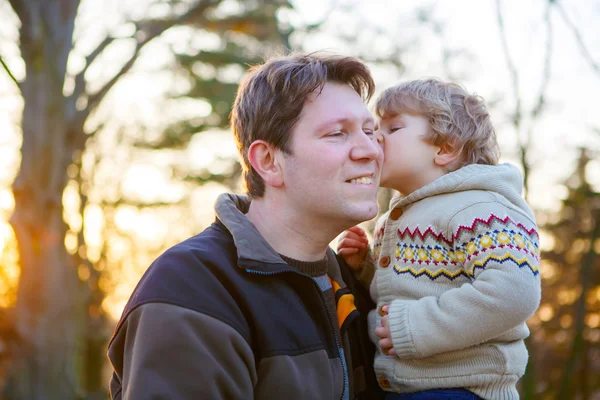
x=502, y=264
x=164, y=351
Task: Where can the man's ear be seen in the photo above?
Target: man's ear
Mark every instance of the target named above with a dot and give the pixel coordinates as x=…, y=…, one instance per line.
x=262, y=157
x=446, y=155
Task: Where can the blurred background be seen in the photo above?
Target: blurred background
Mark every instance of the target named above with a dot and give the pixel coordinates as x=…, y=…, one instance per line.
x=114, y=144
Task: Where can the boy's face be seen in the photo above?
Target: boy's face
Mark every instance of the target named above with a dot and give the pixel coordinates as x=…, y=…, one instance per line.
x=333, y=172
x=408, y=158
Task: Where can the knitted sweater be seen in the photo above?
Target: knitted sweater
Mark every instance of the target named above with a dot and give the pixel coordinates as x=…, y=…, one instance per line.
x=457, y=261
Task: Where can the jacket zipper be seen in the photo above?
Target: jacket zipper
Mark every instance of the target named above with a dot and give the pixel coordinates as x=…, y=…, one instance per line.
x=331, y=320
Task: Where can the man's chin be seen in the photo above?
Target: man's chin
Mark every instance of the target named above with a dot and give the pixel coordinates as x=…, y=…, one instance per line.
x=365, y=213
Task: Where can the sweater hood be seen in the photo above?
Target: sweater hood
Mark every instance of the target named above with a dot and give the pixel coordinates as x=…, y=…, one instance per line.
x=504, y=179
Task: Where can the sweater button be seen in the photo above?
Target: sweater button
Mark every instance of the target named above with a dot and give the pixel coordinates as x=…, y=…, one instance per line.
x=384, y=261
x=384, y=382
x=396, y=213
x=381, y=311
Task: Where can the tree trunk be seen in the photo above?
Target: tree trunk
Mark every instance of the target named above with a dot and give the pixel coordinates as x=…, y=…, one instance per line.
x=49, y=316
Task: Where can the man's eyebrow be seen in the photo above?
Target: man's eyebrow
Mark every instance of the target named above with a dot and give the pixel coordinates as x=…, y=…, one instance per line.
x=343, y=120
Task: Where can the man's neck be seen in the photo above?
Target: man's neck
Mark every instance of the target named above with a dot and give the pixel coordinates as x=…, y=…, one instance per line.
x=290, y=235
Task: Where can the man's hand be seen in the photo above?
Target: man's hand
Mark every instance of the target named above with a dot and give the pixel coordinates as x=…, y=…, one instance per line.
x=353, y=246
x=383, y=331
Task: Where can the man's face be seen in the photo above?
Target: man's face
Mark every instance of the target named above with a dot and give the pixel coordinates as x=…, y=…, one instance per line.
x=332, y=174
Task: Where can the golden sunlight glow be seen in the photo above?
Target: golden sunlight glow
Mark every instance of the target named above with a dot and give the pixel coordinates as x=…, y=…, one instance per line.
x=84, y=272
x=566, y=321
x=592, y=320
x=592, y=335
x=567, y=296
x=5, y=234
x=547, y=241
x=546, y=312
x=548, y=270
x=9, y=270
x=7, y=202
x=71, y=242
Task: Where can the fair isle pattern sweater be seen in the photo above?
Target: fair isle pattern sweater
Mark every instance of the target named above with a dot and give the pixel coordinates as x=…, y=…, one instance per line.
x=458, y=263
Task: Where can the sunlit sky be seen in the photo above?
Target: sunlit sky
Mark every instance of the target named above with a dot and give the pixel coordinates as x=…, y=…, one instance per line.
x=468, y=26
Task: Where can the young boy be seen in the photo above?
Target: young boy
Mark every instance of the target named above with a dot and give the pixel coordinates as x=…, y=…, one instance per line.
x=454, y=264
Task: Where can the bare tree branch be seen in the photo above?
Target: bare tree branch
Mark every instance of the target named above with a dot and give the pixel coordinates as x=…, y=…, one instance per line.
x=80, y=84
x=541, y=100
x=511, y=66
x=517, y=117
x=147, y=31
x=540, y=103
x=586, y=54
x=10, y=74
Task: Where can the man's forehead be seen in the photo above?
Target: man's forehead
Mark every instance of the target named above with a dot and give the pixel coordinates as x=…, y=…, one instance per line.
x=347, y=118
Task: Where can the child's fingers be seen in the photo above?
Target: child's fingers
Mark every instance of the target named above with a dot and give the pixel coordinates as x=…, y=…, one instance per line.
x=392, y=352
x=381, y=332
x=347, y=251
x=350, y=242
x=386, y=345
x=357, y=230
x=349, y=234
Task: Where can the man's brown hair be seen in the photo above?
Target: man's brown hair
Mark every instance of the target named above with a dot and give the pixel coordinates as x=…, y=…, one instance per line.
x=271, y=97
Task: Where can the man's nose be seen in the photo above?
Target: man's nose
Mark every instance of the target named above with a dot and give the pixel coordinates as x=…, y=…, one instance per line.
x=366, y=148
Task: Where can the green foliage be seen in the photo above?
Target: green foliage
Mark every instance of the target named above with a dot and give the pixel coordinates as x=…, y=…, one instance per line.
x=245, y=38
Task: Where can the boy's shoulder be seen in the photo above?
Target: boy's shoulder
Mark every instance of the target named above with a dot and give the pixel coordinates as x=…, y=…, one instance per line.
x=465, y=207
x=447, y=204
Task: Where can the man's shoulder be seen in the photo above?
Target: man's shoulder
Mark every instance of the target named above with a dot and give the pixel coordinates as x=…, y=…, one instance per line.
x=214, y=245
x=189, y=274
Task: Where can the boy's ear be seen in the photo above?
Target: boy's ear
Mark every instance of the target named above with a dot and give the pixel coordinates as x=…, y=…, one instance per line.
x=446, y=155
x=262, y=157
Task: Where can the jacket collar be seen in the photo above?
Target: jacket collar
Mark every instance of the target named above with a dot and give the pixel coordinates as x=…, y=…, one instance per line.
x=254, y=252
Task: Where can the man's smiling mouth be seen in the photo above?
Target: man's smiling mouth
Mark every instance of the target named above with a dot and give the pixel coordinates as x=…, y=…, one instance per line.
x=363, y=180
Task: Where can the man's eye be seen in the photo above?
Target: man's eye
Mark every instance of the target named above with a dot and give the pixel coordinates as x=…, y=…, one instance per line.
x=394, y=129
x=336, y=134
x=368, y=132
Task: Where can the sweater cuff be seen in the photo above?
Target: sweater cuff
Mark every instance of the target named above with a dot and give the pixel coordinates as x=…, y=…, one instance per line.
x=402, y=337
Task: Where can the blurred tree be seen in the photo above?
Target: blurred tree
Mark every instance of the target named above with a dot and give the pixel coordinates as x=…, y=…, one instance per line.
x=55, y=312
x=568, y=341
x=523, y=121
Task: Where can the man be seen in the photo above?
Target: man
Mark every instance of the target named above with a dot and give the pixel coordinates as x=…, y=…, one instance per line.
x=257, y=305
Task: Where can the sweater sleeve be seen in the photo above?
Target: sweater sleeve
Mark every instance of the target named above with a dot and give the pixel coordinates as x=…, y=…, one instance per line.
x=500, y=255
x=367, y=269
x=166, y=351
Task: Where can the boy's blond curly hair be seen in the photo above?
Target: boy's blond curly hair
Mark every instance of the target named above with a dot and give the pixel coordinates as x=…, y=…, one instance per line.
x=456, y=118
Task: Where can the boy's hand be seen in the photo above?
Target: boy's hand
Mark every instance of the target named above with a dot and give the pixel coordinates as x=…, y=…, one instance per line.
x=383, y=331
x=353, y=246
